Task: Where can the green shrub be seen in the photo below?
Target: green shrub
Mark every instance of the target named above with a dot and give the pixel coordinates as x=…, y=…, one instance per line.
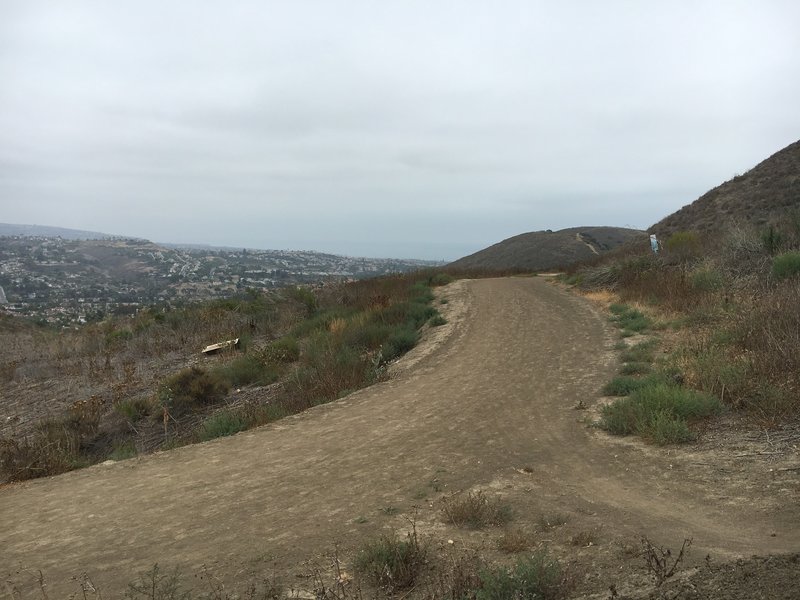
x=537, y=577
x=134, y=409
x=623, y=386
x=123, y=451
x=476, y=511
x=191, y=389
x=367, y=335
x=786, y=265
x=247, y=369
x=221, y=424
x=305, y=297
x=641, y=352
x=684, y=245
x=440, y=279
x=437, y=321
x=391, y=563
x=658, y=412
x=399, y=343
x=284, y=350
x=706, y=280
x=636, y=368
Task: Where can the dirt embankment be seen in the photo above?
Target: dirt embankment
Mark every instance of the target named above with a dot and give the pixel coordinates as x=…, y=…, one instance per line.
x=490, y=405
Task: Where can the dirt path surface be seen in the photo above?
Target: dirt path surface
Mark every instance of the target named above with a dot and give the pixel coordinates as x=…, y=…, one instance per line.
x=488, y=405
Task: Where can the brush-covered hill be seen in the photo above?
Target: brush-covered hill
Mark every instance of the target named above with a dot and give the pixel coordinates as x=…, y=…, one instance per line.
x=539, y=250
x=761, y=197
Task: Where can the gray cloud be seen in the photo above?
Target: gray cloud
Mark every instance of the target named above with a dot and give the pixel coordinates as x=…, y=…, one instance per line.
x=401, y=128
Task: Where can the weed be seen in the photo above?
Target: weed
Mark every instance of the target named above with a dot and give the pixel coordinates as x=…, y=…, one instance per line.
x=437, y=321
x=155, y=585
x=476, y=511
x=552, y=521
x=586, y=537
x=513, y=542
x=392, y=563
x=538, y=577
x=660, y=562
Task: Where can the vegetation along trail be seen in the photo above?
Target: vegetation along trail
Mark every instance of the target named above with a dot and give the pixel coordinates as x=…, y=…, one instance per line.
x=492, y=407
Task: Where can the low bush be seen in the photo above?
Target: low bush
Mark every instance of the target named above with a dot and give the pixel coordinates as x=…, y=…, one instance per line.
x=786, y=265
x=437, y=321
x=624, y=385
x=476, y=511
x=400, y=342
x=134, y=409
x=641, y=352
x=221, y=424
x=191, y=389
x=246, y=370
x=284, y=350
x=392, y=563
x=537, y=577
x=636, y=368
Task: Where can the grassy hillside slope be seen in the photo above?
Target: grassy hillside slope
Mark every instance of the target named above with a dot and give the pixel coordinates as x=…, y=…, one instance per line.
x=540, y=250
x=758, y=198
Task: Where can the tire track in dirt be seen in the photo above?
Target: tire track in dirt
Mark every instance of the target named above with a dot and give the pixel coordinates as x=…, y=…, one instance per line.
x=497, y=395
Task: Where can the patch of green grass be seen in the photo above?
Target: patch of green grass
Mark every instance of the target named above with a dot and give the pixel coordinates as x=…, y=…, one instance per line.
x=658, y=412
x=221, y=424
x=476, y=511
x=629, y=319
x=537, y=577
x=437, y=321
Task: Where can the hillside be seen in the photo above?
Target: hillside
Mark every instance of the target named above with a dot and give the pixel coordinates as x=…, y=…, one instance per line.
x=12, y=229
x=760, y=198
x=64, y=281
x=540, y=250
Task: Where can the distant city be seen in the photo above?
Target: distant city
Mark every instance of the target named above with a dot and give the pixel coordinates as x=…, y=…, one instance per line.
x=66, y=282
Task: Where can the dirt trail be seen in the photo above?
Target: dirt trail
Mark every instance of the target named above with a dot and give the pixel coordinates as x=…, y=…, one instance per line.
x=492, y=405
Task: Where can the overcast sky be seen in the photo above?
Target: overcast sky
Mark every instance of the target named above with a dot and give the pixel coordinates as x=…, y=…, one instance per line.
x=422, y=129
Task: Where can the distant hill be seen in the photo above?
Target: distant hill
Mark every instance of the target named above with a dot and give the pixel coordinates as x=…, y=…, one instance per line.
x=760, y=197
x=46, y=231
x=541, y=250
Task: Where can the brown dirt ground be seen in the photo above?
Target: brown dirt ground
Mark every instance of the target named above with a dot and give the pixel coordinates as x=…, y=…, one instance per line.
x=487, y=402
